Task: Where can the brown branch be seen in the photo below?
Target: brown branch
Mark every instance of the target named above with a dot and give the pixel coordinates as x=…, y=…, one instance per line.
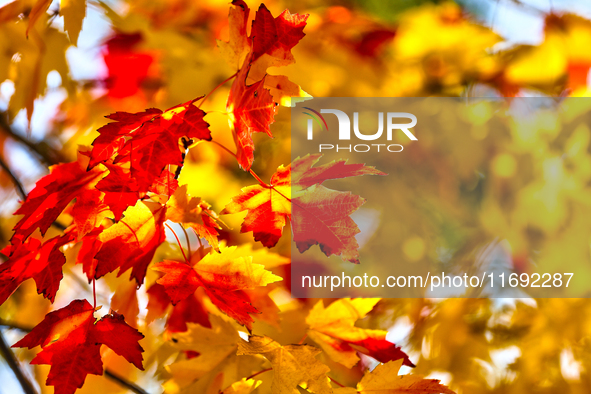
x=124, y=383
x=13, y=363
x=108, y=373
x=41, y=150
x=17, y=184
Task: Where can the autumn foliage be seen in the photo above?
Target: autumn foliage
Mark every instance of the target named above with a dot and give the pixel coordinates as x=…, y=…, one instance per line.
x=217, y=315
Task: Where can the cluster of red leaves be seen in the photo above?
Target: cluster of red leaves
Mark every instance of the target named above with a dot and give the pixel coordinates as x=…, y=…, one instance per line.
x=120, y=194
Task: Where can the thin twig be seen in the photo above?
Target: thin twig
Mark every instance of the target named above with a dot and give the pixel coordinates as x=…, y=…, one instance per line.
x=125, y=383
x=19, y=186
x=187, y=238
x=216, y=88
x=13, y=363
x=47, y=156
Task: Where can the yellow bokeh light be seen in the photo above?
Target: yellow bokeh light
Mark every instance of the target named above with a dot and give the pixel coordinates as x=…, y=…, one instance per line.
x=414, y=248
x=504, y=165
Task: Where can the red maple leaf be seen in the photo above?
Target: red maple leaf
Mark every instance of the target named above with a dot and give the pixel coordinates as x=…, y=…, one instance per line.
x=378, y=347
x=166, y=185
x=120, y=189
x=222, y=275
x=189, y=310
x=130, y=243
x=320, y=215
x=149, y=141
x=41, y=261
x=52, y=194
x=268, y=207
x=71, y=339
x=276, y=36
x=251, y=109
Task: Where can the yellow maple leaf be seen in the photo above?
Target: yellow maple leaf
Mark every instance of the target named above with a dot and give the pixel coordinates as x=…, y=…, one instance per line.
x=217, y=348
x=293, y=365
x=333, y=329
x=384, y=379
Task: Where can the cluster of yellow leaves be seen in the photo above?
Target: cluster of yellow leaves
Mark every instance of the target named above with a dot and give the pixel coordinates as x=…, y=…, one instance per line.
x=223, y=358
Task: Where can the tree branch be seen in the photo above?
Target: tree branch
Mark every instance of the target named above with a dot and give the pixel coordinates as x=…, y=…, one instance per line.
x=108, y=373
x=14, y=365
x=124, y=383
x=18, y=185
x=41, y=150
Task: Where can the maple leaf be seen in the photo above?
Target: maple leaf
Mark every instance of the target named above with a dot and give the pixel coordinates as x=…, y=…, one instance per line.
x=125, y=302
x=216, y=348
x=158, y=302
x=238, y=44
x=165, y=185
x=132, y=242
x=189, y=310
x=253, y=97
x=276, y=36
x=293, y=365
x=222, y=275
x=120, y=189
x=213, y=343
x=71, y=339
x=88, y=212
x=53, y=193
x=197, y=214
x=268, y=207
x=148, y=141
x=320, y=215
x=90, y=245
x=384, y=379
x=333, y=329
x=251, y=110
x=41, y=261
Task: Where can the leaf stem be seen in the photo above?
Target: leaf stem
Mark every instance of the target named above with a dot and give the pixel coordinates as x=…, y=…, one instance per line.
x=178, y=241
x=258, y=373
x=259, y=179
x=337, y=383
x=188, y=242
x=18, y=185
x=224, y=148
x=216, y=88
x=236, y=157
